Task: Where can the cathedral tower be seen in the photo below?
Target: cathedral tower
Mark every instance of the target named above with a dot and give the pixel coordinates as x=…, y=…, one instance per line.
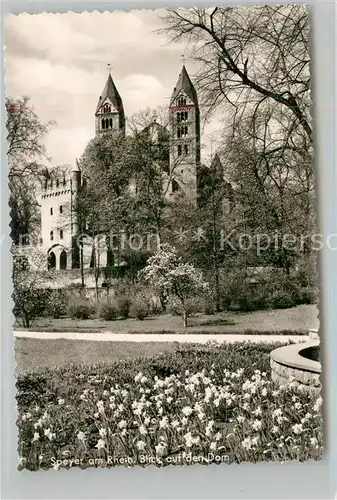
x=184, y=136
x=109, y=115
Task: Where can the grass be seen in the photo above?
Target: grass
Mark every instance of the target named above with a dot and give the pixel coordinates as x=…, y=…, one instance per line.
x=194, y=400
x=36, y=354
x=296, y=320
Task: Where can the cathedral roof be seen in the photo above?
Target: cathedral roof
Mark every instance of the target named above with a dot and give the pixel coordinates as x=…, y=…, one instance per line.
x=110, y=91
x=184, y=83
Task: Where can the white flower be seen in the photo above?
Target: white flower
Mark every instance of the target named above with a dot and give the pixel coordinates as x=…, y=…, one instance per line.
x=60, y=401
x=175, y=423
x=257, y=424
x=217, y=436
x=100, y=406
x=297, y=406
x=313, y=441
x=318, y=404
x=169, y=399
x=264, y=392
x=36, y=437
x=257, y=412
x=187, y=410
x=297, y=428
x=277, y=413
x=140, y=445
x=254, y=440
x=81, y=436
x=120, y=407
x=124, y=393
x=142, y=430
x=246, y=444
x=201, y=415
x=160, y=449
x=184, y=421
x=138, y=376
x=102, y=433
x=275, y=429
x=123, y=432
x=163, y=424
x=50, y=435
x=213, y=446
x=240, y=418
x=100, y=444
x=122, y=424
x=189, y=440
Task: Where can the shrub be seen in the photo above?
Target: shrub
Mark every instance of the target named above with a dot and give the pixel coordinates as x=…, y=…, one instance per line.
x=107, y=310
x=81, y=309
x=306, y=295
x=139, y=309
x=56, y=303
x=282, y=300
x=122, y=306
x=209, y=308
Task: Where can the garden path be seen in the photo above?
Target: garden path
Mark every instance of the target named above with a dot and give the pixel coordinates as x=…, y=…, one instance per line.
x=166, y=337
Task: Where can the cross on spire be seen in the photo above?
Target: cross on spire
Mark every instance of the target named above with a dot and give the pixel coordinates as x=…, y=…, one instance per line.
x=183, y=58
x=109, y=68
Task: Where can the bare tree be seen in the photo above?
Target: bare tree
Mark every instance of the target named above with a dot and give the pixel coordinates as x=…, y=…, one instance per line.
x=249, y=55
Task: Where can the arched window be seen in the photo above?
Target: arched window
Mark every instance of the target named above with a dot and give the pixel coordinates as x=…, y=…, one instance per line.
x=57, y=183
x=64, y=181
x=186, y=149
x=178, y=117
x=178, y=132
x=181, y=101
x=186, y=115
x=51, y=184
x=107, y=123
x=51, y=261
x=103, y=123
x=51, y=235
x=63, y=260
x=51, y=210
x=45, y=184
x=110, y=122
x=61, y=209
x=61, y=234
x=179, y=150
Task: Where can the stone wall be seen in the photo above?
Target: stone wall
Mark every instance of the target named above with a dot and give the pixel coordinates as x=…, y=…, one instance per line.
x=288, y=365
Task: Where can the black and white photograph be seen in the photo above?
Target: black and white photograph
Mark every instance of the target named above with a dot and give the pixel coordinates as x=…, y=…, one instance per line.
x=162, y=202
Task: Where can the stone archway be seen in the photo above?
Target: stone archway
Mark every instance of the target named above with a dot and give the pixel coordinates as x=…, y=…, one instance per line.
x=51, y=260
x=63, y=260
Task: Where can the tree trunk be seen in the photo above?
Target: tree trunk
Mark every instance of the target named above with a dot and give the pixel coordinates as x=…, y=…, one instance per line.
x=185, y=318
x=82, y=267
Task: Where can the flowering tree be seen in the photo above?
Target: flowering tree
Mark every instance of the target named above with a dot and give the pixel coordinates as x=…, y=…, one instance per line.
x=173, y=278
x=29, y=282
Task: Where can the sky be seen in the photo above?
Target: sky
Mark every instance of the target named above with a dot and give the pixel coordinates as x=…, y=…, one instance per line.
x=60, y=61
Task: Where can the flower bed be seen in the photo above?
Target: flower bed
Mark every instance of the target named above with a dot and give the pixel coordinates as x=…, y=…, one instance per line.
x=200, y=404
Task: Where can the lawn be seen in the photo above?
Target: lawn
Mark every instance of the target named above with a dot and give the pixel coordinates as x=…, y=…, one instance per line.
x=297, y=320
x=36, y=354
x=210, y=404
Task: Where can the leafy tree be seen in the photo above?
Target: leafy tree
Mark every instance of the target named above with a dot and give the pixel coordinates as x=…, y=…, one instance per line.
x=169, y=275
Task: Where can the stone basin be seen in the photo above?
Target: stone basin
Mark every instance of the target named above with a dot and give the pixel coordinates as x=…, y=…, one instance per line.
x=299, y=362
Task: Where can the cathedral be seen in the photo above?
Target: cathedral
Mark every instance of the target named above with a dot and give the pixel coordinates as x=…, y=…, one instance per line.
x=185, y=175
